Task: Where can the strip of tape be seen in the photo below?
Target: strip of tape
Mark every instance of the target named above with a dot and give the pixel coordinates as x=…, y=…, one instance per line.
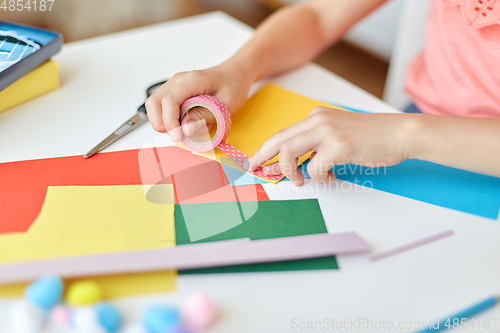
x=223, y=122
x=412, y=245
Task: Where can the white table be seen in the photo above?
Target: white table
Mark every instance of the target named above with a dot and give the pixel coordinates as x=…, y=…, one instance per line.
x=103, y=82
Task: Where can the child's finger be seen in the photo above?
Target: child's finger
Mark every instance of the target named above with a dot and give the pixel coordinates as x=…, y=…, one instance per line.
x=291, y=150
x=201, y=131
x=171, y=95
x=271, y=147
x=153, y=107
x=157, y=114
x=320, y=165
x=170, y=104
x=272, y=169
x=191, y=122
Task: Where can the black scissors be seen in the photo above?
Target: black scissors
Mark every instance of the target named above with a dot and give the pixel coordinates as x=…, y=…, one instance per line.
x=137, y=120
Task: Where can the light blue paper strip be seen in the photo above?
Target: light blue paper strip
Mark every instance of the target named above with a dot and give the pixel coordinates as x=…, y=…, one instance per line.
x=238, y=177
x=436, y=184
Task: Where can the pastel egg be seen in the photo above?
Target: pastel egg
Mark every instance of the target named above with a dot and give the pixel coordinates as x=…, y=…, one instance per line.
x=179, y=329
x=60, y=315
x=109, y=316
x=160, y=319
x=83, y=293
x=26, y=317
x=199, y=312
x=86, y=320
x=134, y=328
x=45, y=292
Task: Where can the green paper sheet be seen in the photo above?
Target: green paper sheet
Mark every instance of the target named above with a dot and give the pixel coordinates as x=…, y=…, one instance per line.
x=272, y=219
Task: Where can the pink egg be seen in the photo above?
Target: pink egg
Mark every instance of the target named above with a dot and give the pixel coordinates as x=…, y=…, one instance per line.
x=60, y=315
x=198, y=312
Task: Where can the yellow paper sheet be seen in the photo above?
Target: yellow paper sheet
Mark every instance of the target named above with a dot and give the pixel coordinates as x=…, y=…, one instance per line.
x=39, y=81
x=268, y=111
x=79, y=220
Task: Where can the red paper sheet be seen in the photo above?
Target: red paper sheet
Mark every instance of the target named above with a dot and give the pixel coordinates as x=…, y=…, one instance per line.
x=23, y=184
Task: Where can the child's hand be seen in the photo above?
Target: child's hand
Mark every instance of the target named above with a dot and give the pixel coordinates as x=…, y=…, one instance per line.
x=227, y=83
x=336, y=137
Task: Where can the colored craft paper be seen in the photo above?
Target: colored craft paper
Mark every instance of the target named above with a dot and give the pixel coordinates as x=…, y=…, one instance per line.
x=268, y=111
x=205, y=220
x=79, y=220
x=271, y=219
x=114, y=286
x=24, y=184
x=436, y=184
x=432, y=183
x=208, y=182
x=39, y=81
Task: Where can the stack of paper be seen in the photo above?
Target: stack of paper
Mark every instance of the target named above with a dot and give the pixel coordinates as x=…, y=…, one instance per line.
x=37, y=82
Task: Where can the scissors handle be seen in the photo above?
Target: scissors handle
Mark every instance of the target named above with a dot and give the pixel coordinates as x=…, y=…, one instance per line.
x=142, y=108
x=150, y=92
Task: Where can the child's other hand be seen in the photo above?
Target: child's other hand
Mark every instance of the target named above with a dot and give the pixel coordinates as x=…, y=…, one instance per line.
x=227, y=83
x=336, y=137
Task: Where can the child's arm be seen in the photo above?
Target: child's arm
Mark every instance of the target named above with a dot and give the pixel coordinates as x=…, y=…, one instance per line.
x=340, y=137
x=295, y=35
x=466, y=143
x=289, y=38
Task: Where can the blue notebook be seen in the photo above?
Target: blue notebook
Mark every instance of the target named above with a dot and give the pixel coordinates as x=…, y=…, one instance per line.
x=23, y=48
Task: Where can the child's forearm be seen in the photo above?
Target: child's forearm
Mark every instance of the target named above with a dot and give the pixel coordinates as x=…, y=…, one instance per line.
x=467, y=143
x=297, y=34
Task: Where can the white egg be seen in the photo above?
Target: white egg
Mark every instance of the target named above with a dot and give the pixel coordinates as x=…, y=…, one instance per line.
x=26, y=318
x=85, y=320
x=134, y=328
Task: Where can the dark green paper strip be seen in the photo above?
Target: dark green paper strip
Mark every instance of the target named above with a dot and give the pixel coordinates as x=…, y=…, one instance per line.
x=273, y=219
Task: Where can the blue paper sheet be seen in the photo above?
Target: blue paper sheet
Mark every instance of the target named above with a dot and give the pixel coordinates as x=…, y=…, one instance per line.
x=439, y=185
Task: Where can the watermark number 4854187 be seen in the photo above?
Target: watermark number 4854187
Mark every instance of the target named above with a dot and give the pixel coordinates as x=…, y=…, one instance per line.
x=26, y=5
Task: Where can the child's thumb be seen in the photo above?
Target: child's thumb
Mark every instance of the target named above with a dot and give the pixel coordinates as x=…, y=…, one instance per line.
x=191, y=122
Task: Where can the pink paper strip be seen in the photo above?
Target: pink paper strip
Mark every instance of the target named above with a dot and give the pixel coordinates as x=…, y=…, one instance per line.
x=201, y=255
x=412, y=245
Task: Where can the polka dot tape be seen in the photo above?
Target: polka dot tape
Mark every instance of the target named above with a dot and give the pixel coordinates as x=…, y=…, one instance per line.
x=223, y=122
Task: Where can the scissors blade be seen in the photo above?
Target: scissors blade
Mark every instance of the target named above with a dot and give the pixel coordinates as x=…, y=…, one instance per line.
x=137, y=120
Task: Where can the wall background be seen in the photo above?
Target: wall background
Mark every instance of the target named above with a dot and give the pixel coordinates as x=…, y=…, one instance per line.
x=361, y=58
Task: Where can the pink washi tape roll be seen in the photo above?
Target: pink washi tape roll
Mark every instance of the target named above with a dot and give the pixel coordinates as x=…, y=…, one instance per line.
x=223, y=122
